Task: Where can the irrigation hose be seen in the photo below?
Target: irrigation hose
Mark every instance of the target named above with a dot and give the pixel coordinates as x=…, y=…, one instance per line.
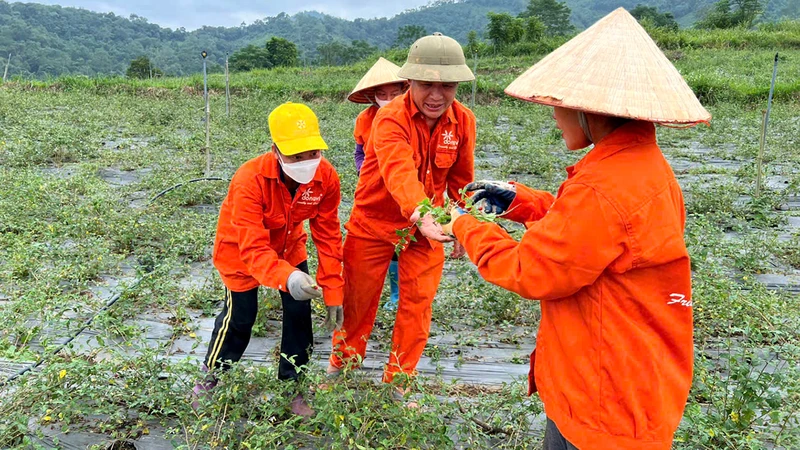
x=194, y=180
x=108, y=304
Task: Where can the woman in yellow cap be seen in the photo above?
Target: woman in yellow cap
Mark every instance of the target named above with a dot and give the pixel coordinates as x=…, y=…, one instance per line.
x=377, y=87
x=606, y=256
x=260, y=241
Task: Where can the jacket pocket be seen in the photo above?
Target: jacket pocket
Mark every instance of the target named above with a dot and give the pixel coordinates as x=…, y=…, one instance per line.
x=445, y=159
x=273, y=221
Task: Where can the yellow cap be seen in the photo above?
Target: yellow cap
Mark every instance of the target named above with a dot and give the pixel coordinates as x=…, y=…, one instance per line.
x=295, y=129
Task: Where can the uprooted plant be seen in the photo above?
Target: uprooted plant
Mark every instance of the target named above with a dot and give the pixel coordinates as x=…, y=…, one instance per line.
x=441, y=215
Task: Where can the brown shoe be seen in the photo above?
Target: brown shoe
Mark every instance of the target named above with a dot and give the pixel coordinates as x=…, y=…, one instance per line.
x=300, y=407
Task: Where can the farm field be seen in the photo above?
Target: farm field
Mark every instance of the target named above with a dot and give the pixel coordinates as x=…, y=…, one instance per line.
x=82, y=164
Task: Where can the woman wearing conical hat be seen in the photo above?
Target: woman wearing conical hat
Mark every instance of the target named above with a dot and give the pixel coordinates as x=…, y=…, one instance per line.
x=606, y=256
x=377, y=87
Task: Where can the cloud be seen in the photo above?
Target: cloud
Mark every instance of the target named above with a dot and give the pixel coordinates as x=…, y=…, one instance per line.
x=192, y=14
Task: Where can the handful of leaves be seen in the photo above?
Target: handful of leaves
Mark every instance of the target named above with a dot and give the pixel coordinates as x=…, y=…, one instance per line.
x=441, y=215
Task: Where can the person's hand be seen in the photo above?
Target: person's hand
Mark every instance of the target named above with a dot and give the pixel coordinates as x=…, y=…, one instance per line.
x=493, y=197
x=335, y=318
x=302, y=287
x=458, y=251
x=428, y=227
x=455, y=213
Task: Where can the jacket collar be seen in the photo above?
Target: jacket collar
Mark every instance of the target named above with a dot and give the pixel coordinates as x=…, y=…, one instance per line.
x=631, y=134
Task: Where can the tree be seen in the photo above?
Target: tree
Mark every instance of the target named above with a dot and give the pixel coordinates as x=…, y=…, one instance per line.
x=658, y=19
x=732, y=13
x=360, y=50
x=408, y=34
x=332, y=54
x=337, y=53
x=282, y=52
x=472, y=43
x=504, y=29
x=141, y=67
x=534, y=29
x=553, y=14
x=249, y=58
x=747, y=11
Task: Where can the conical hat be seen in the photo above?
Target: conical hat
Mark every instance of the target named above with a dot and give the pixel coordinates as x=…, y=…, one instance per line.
x=612, y=68
x=382, y=72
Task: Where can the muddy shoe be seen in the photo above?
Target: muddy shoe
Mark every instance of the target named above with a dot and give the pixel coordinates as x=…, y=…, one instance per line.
x=300, y=408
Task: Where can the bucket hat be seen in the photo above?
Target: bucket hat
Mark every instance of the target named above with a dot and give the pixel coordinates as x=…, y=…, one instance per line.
x=436, y=58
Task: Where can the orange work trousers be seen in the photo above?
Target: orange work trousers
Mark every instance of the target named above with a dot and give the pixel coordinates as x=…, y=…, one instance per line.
x=366, y=261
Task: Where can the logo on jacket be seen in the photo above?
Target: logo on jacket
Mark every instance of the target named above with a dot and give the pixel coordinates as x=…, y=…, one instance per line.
x=449, y=141
x=308, y=198
x=679, y=299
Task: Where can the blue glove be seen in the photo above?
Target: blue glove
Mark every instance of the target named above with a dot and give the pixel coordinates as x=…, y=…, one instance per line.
x=493, y=197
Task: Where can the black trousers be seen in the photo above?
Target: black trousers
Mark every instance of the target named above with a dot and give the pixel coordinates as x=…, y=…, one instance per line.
x=234, y=325
x=554, y=440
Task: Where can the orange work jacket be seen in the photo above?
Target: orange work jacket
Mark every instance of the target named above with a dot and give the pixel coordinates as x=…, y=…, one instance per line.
x=607, y=259
x=405, y=163
x=260, y=236
x=364, y=125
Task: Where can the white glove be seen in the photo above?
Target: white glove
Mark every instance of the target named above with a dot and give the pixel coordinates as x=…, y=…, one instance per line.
x=335, y=318
x=302, y=287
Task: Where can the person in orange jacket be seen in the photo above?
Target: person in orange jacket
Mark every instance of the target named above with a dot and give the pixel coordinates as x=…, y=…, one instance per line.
x=421, y=147
x=261, y=242
x=606, y=256
x=377, y=87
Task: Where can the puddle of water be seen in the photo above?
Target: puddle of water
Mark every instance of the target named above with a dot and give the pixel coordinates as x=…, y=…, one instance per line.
x=205, y=209
x=788, y=282
x=131, y=143
x=61, y=172
x=122, y=177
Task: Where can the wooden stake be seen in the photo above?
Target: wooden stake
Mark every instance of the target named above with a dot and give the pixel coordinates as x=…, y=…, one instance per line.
x=764, y=125
x=227, y=89
x=475, y=81
x=760, y=160
x=5, y=73
x=208, y=114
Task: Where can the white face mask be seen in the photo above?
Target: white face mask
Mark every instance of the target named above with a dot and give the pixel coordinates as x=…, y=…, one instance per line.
x=302, y=171
x=382, y=103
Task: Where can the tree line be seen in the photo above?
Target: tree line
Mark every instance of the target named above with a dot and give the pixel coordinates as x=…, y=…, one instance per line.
x=52, y=40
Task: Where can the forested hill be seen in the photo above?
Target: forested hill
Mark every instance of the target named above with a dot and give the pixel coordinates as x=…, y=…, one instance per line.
x=686, y=12
x=53, y=40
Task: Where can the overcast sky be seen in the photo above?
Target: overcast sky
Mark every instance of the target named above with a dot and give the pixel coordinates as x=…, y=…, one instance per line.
x=193, y=14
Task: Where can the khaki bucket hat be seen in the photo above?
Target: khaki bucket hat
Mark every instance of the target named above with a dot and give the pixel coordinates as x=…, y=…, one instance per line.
x=436, y=58
x=612, y=68
x=382, y=72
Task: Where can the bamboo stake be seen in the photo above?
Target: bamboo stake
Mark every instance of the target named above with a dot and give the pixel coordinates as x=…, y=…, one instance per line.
x=5, y=72
x=764, y=125
x=475, y=81
x=208, y=113
x=227, y=89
